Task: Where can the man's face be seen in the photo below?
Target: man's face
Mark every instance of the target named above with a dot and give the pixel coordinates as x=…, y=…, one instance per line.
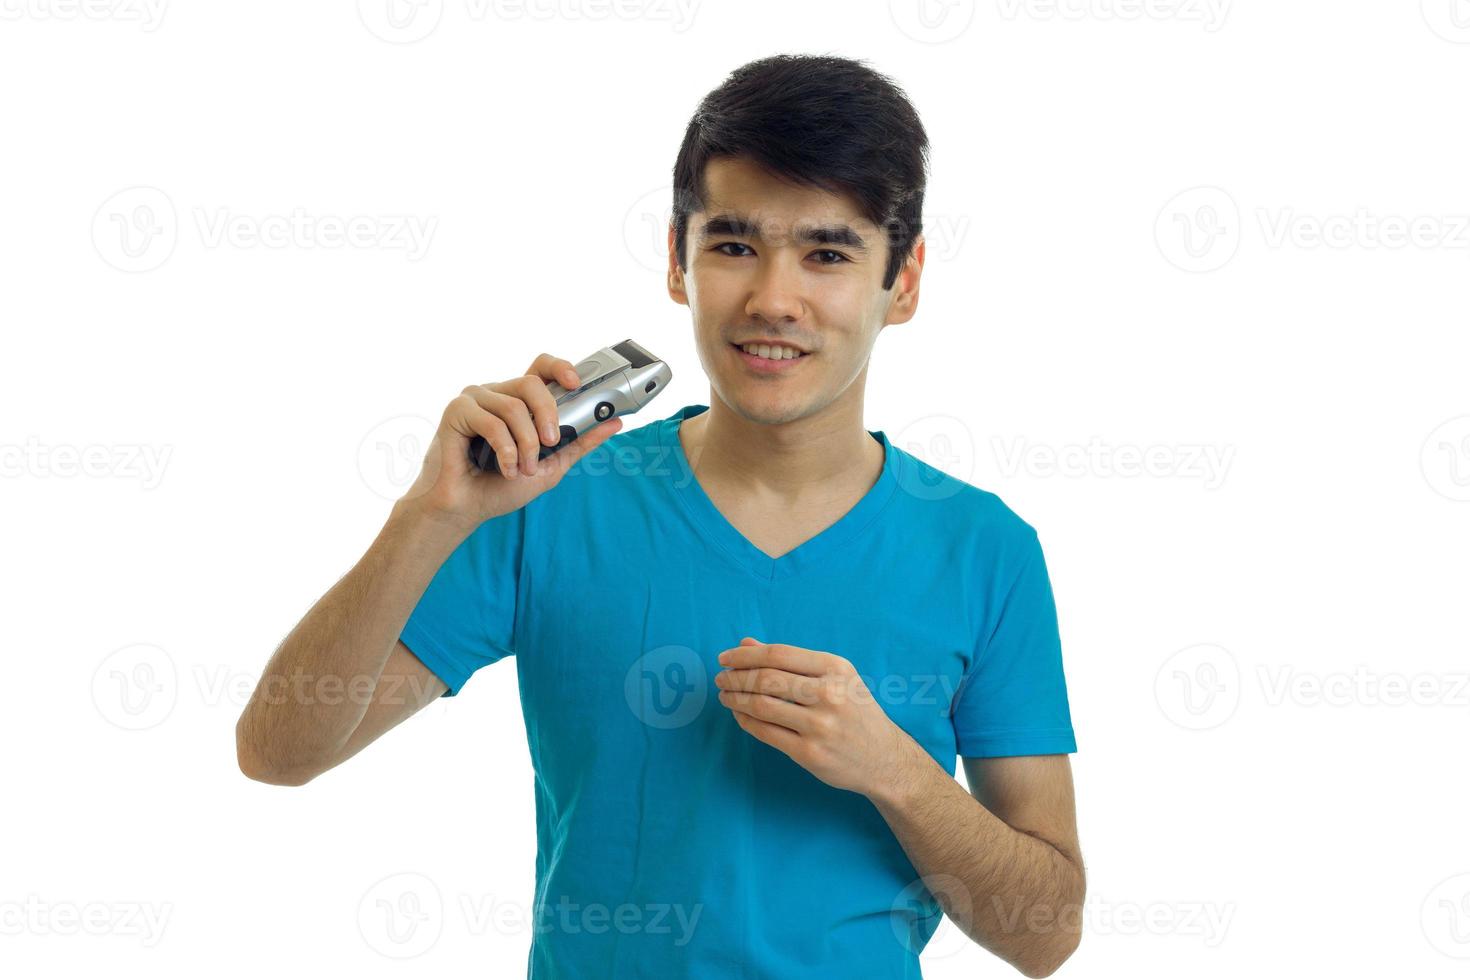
x=770, y=259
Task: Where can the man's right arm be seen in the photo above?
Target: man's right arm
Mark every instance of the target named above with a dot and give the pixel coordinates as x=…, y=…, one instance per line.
x=342, y=677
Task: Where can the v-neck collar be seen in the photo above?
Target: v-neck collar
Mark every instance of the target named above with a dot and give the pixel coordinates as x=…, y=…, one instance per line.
x=805, y=555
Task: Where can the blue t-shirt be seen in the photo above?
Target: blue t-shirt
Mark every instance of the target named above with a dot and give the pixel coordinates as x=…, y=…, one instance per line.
x=671, y=843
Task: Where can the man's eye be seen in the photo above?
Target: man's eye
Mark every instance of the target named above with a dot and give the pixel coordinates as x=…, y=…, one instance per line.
x=830, y=256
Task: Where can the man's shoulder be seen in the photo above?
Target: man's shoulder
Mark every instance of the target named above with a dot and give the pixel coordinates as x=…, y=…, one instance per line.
x=955, y=503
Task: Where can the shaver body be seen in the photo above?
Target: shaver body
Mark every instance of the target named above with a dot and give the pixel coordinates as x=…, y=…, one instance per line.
x=616, y=380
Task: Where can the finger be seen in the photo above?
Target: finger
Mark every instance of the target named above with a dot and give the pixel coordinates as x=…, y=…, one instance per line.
x=773, y=735
x=517, y=418
x=798, y=660
x=542, y=404
x=469, y=418
x=563, y=459
x=770, y=680
x=796, y=717
x=557, y=369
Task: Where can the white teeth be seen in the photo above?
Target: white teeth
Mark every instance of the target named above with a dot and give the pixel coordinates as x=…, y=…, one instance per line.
x=774, y=353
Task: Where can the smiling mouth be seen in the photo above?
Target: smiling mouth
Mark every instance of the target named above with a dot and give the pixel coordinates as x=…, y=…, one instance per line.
x=768, y=353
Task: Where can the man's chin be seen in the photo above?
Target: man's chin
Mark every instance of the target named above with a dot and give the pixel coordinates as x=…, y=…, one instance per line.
x=766, y=407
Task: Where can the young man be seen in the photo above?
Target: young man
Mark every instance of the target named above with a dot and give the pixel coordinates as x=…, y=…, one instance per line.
x=752, y=637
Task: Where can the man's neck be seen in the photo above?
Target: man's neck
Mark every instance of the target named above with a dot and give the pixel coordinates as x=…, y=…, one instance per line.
x=810, y=458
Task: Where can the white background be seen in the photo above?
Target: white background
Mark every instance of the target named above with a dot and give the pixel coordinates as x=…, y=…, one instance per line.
x=1175, y=231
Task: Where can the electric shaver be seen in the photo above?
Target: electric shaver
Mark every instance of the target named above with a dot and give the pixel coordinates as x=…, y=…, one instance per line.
x=616, y=380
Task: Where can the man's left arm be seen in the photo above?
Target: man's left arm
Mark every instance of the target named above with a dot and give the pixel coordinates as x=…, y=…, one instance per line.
x=1004, y=863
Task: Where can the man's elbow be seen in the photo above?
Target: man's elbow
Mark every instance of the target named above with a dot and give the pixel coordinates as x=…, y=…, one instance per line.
x=1051, y=962
x=1059, y=939
x=272, y=777
x=254, y=766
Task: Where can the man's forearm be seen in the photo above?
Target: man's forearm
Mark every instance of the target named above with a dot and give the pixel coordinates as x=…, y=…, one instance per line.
x=317, y=686
x=1013, y=893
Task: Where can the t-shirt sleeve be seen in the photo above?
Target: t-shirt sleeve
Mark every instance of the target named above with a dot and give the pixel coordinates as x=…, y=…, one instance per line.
x=465, y=619
x=1013, y=700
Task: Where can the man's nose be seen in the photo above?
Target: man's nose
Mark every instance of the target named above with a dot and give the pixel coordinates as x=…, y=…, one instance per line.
x=776, y=293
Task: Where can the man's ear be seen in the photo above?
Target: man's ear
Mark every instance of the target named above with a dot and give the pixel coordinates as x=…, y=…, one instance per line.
x=677, y=291
x=905, y=301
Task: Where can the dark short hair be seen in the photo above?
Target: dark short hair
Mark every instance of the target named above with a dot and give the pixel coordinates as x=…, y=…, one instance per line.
x=819, y=120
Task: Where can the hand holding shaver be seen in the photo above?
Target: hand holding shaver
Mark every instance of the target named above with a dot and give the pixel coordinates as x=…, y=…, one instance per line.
x=616, y=380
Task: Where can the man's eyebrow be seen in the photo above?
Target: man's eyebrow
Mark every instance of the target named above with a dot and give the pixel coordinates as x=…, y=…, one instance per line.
x=739, y=226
